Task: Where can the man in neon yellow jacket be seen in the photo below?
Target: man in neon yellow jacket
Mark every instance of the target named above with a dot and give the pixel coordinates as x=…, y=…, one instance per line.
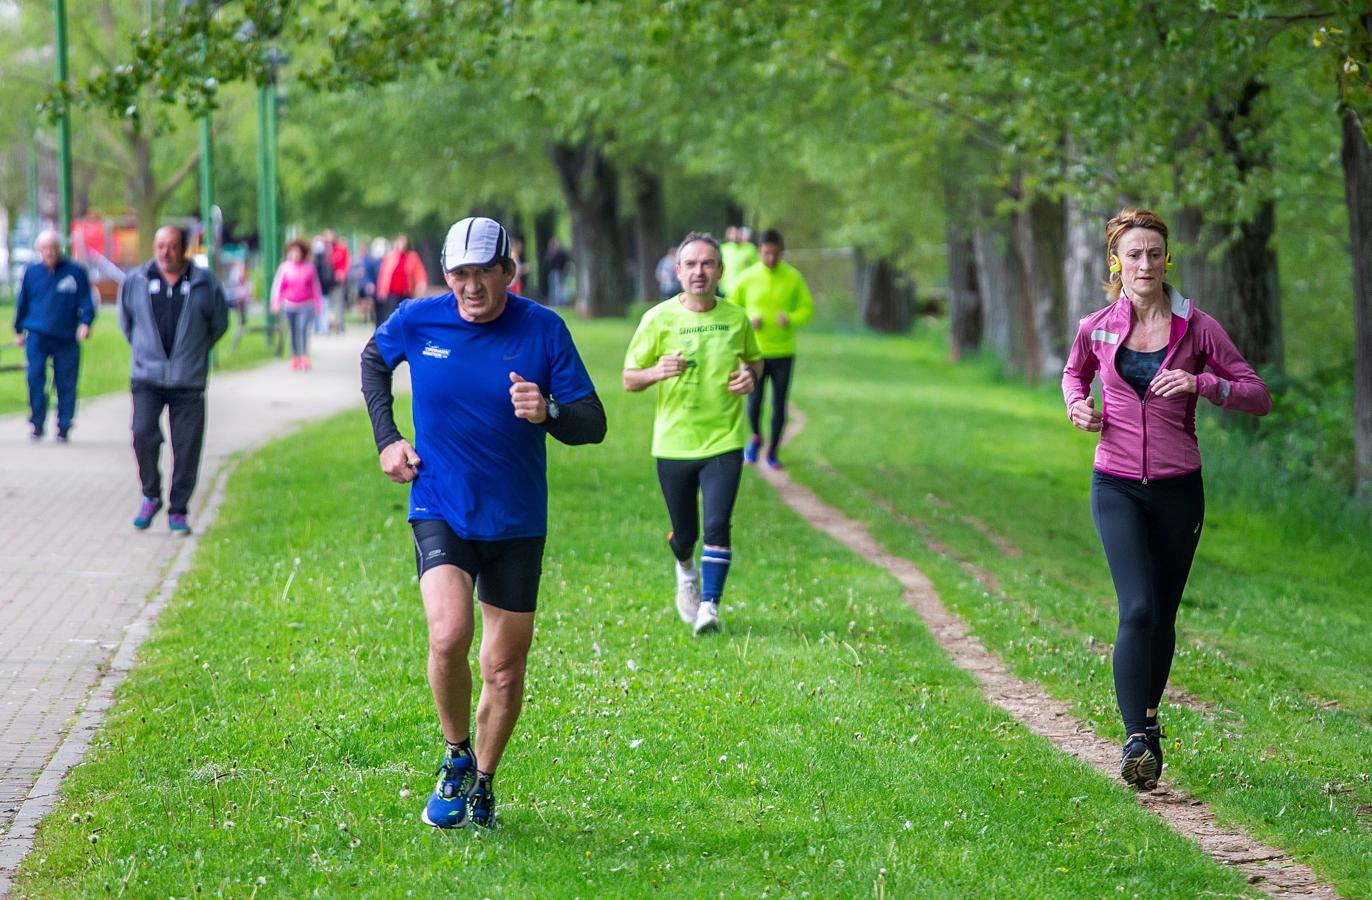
x=777, y=301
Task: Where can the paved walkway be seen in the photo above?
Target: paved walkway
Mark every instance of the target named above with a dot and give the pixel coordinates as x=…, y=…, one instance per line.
x=79, y=585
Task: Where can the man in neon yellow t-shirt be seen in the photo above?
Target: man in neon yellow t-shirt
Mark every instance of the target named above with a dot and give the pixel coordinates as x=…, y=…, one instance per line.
x=703, y=359
x=777, y=300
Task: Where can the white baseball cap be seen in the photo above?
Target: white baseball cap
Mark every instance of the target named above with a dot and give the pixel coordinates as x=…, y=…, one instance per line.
x=475, y=241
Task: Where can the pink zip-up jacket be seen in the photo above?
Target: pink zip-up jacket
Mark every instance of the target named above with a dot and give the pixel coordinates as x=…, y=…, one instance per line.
x=297, y=283
x=1156, y=437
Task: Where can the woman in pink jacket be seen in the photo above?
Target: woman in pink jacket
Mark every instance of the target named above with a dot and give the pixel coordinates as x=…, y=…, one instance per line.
x=1155, y=354
x=296, y=290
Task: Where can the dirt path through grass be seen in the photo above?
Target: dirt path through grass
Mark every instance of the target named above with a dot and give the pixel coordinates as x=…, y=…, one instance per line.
x=1268, y=869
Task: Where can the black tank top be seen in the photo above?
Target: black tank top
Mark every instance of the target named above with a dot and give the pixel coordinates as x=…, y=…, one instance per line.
x=1138, y=368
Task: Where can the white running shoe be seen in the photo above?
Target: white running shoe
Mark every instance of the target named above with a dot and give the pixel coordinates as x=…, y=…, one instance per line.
x=687, y=593
x=707, y=617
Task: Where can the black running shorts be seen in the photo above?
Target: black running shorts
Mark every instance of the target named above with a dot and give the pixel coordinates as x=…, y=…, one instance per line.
x=506, y=572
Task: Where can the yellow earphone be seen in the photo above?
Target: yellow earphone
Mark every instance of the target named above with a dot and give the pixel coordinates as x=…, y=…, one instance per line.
x=1115, y=264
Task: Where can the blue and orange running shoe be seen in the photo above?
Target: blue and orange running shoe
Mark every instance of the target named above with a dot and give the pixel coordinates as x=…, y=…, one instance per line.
x=753, y=448
x=482, y=804
x=447, y=808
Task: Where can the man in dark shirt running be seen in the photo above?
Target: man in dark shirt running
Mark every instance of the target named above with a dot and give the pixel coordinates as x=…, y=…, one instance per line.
x=492, y=375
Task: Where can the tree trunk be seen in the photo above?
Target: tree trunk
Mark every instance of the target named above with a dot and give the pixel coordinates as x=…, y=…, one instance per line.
x=648, y=230
x=964, y=304
x=1240, y=288
x=1083, y=264
x=1000, y=284
x=1357, y=181
x=84, y=177
x=734, y=214
x=142, y=182
x=590, y=188
x=886, y=300
x=545, y=227
x=1039, y=241
x=146, y=193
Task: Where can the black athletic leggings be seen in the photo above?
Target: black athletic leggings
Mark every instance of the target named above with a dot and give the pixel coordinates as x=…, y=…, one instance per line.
x=778, y=371
x=1149, y=532
x=715, y=479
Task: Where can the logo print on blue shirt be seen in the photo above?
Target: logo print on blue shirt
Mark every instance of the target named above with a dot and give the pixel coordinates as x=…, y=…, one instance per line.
x=437, y=352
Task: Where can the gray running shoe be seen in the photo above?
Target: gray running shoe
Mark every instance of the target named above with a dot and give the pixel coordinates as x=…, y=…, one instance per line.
x=707, y=617
x=687, y=593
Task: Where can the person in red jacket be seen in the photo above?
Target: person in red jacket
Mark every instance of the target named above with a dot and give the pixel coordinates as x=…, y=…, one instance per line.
x=1155, y=354
x=401, y=277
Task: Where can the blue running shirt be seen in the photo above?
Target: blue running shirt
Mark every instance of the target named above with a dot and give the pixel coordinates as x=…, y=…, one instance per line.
x=481, y=469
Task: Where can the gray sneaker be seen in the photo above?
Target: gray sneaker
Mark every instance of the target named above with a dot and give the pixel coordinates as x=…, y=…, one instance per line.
x=687, y=593
x=707, y=617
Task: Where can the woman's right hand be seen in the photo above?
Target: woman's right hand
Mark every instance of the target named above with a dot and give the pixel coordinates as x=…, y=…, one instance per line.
x=1085, y=416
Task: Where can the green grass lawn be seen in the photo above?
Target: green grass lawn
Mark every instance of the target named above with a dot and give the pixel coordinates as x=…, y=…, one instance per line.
x=105, y=359
x=278, y=737
x=1275, y=628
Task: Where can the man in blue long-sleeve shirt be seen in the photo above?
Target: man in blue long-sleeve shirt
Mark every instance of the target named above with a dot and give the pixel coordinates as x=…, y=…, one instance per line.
x=52, y=317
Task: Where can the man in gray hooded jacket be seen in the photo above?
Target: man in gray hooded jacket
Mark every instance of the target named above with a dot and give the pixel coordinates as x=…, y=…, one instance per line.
x=172, y=313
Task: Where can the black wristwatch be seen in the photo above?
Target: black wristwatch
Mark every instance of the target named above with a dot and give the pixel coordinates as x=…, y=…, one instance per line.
x=554, y=408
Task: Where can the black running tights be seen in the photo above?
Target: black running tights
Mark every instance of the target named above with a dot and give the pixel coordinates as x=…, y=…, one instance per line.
x=715, y=479
x=778, y=372
x=1149, y=532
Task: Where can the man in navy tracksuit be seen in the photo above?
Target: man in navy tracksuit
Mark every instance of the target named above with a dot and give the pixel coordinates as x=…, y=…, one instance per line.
x=53, y=315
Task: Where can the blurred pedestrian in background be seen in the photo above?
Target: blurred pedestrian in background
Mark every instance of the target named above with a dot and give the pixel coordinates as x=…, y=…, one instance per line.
x=297, y=292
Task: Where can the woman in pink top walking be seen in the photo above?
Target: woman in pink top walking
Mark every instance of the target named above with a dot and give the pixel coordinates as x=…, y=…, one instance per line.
x=296, y=290
x=1155, y=354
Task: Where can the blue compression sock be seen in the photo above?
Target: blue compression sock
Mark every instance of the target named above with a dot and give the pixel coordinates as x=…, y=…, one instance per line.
x=714, y=568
